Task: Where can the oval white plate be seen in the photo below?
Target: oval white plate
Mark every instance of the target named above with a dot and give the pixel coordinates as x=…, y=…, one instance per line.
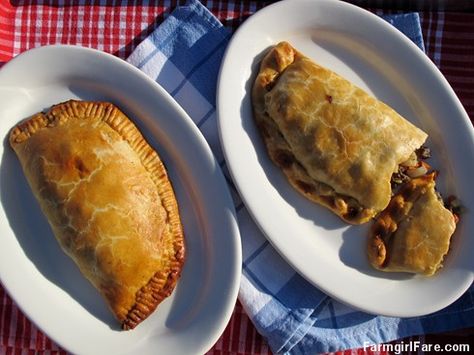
x=377, y=57
x=45, y=283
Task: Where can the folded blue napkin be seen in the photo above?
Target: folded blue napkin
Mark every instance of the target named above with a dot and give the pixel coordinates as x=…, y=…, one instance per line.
x=183, y=55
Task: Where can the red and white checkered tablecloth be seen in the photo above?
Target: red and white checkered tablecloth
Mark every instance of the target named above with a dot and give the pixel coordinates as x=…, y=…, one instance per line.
x=117, y=27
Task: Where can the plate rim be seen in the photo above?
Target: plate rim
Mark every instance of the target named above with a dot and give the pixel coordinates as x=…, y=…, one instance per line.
x=233, y=236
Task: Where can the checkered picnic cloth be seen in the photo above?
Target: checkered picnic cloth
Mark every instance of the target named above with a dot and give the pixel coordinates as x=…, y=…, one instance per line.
x=119, y=29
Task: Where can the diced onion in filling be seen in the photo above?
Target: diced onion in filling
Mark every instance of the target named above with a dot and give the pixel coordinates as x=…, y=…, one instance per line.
x=411, y=161
x=413, y=167
x=417, y=171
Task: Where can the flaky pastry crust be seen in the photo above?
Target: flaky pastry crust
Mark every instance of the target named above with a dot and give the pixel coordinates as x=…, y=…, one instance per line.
x=335, y=143
x=413, y=233
x=109, y=201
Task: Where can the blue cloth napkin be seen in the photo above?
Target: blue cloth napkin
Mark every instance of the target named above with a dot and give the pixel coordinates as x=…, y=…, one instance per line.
x=183, y=55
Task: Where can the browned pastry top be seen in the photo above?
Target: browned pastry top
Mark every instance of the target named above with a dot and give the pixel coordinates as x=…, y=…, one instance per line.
x=336, y=144
x=108, y=199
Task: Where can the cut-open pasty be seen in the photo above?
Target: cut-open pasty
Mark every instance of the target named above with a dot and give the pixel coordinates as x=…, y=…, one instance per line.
x=336, y=144
x=413, y=233
x=107, y=197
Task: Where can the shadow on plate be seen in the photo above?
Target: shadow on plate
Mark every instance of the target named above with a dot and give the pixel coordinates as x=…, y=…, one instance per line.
x=308, y=210
x=353, y=253
x=190, y=291
x=38, y=242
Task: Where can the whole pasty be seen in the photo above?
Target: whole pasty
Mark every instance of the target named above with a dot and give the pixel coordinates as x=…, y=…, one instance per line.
x=108, y=199
x=336, y=144
x=413, y=234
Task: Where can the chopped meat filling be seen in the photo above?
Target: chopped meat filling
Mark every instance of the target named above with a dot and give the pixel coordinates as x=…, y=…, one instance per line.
x=423, y=152
x=399, y=177
x=419, y=167
x=414, y=167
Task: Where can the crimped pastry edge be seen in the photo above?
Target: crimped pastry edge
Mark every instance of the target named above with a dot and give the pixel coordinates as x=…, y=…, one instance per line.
x=151, y=295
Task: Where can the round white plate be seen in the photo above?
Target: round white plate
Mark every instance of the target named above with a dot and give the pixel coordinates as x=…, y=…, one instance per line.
x=377, y=57
x=45, y=283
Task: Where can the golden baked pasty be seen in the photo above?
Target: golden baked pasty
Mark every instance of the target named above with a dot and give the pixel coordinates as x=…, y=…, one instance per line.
x=107, y=197
x=335, y=143
x=413, y=233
